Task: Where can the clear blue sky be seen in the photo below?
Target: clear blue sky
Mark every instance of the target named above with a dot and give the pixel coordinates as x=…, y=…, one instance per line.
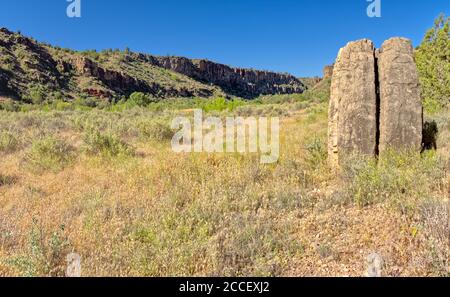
x=295, y=36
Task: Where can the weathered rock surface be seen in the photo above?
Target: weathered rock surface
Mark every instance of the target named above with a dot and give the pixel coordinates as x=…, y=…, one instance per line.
x=401, y=121
x=352, y=114
x=375, y=100
x=328, y=71
x=39, y=64
x=113, y=79
x=247, y=83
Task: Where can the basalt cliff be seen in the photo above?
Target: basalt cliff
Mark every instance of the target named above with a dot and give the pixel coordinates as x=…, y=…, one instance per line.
x=28, y=66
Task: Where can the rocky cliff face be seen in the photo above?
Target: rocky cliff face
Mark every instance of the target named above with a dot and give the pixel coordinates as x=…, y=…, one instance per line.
x=25, y=62
x=247, y=83
x=116, y=81
x=119, y=82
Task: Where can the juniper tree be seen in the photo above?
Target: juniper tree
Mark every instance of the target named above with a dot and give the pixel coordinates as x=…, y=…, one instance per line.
x=433, y=63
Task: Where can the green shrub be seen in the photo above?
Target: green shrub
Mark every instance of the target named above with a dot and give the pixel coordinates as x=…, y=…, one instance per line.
x=86, y=102
x=37, y=93
x=47, y=253
x=221, y=104
x=9, y=105
x=403, y=179
x=155, y=130
x=61, y=105
x=56, y=96
x=109, y=145
x=8, y=142
x=49, y=153
x=140, y=99
x=231, y=243
x=316, y=152
x=431, y=106
x=252, y=246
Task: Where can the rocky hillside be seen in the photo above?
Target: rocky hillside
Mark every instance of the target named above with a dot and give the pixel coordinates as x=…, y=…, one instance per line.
x=32, y=71
x=245, y=83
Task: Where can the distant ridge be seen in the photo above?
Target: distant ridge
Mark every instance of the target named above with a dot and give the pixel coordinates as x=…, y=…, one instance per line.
x=27, y=66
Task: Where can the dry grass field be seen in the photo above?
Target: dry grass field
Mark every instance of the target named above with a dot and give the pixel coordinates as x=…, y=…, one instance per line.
x=107, y=186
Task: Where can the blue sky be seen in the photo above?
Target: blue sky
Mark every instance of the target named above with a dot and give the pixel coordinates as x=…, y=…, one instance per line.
x=295, y=36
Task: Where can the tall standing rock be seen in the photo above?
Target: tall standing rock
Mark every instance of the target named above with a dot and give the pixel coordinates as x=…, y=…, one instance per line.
x=401, y=118
x=353, y=103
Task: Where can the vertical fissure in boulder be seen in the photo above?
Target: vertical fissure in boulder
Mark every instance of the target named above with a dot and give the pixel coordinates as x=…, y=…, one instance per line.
x=375, y=100
x=378, y=105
